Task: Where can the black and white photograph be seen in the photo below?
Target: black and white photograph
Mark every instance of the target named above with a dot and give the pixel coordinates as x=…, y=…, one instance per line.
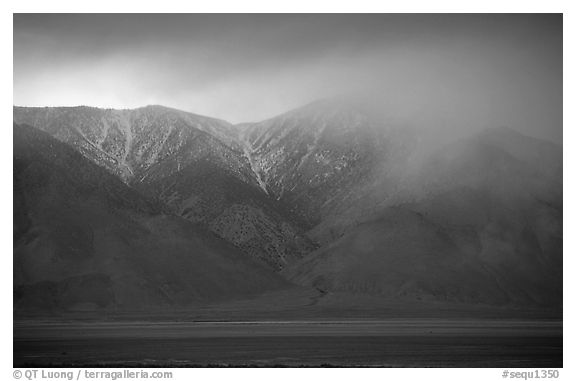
x=295, y=190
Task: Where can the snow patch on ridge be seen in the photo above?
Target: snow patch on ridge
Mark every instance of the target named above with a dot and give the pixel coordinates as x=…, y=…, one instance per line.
x=248, y=151
x=125, y=126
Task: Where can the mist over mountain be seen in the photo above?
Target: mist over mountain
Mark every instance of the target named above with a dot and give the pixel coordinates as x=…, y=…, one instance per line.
x=476, y=221
x=337, y=197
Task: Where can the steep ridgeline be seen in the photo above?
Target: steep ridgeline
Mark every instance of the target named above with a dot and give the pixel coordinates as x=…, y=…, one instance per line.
x=192, y=164
x=85, y=240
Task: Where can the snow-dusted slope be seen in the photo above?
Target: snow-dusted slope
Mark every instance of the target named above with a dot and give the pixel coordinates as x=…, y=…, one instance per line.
x=193, y=164
x=324, y=156
x=129, y=142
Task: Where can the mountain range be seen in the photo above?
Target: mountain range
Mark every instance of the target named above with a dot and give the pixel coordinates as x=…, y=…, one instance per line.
x=156, y=206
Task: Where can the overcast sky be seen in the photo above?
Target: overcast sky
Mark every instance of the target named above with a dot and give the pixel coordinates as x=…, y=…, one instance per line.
x=485, y=70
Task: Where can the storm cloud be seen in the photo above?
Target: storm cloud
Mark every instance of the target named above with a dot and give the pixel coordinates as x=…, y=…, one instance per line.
x=474, y=70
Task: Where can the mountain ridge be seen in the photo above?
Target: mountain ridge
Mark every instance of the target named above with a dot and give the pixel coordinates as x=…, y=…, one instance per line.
x=297, y=190
x=152, y=149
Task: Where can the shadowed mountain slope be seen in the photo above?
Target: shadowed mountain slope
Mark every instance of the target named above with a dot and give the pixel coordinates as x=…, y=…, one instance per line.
x=85, y=240
x=238, y=212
